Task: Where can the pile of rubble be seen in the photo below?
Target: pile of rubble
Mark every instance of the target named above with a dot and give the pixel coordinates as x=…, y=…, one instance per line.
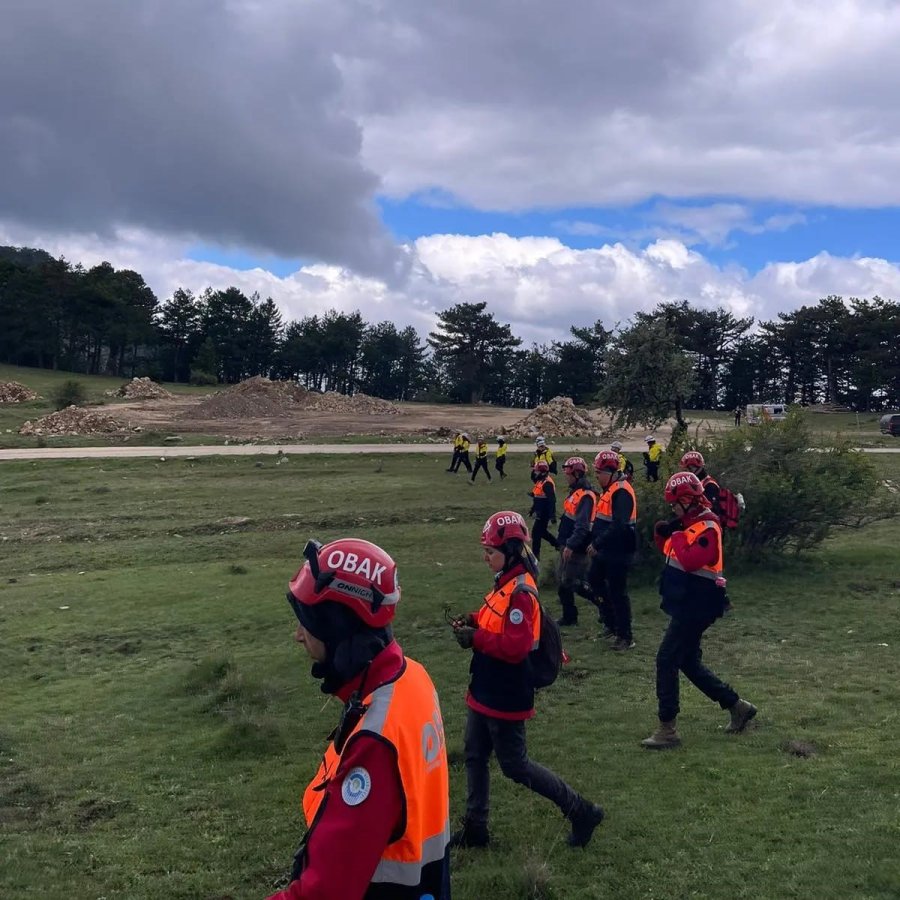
x=13, y=392
x=257, y=397
x=75, y=420
x=141, y=389
x=333, y=402
x=556, y=418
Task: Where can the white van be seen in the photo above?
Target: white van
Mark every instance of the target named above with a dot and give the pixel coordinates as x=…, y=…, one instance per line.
x=758, y=413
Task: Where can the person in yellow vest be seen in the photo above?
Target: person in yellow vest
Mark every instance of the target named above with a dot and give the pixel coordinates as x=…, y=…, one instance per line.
x=500, y=457
x=501, y=635
x=652, y=456
x=481, y=459
x=613, y=545
x=462, y=457
x=543, y=507
x=542, y=453
x=573, y=540
x=377, y=810
x=625, y=464
x=692, y=588
x=457, y=443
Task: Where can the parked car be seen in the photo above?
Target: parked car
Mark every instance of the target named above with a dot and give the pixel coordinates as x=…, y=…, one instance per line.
x=890, y=424
x=757, y=413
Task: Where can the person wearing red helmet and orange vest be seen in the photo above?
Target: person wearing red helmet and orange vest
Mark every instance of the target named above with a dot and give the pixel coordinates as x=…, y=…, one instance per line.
x=693, y=461
x=501, y=636
x=377, y=810
x=573, y=540
x=613, y=545
x=543, y=506
x=692, y=588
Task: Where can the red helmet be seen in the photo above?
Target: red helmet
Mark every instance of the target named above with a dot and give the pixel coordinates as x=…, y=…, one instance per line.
x=692, y=458
x=541, y=467
x=606, y=461
x=684, y=486
x=576, y=464
x=352, y=572
x=503, y=526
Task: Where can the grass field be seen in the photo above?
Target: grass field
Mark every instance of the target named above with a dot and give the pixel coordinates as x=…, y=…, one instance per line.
x=158, y=723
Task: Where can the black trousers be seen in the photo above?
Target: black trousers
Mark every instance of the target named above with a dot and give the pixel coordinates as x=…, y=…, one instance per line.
x=541, y=532
x=609, y=582
x=462, y=458
x=454, y=461
x=486, y=735
x=499, y=463
x=680, y=652
x=652, y=471
x=481, y=464
x=572, y=578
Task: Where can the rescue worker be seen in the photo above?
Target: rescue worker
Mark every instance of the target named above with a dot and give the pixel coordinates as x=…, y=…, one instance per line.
x=625, y=464
x=543, y=507
x=693, y=461
x=613, y=545
x=462, y=457
x=573, y=540
x=457, y=442
x=652, y=455
x=500, y=699
x=500, y=457
x=738, y=413
x=481, y=454
x=692, y=588
x=377, y=810
x=542, y=453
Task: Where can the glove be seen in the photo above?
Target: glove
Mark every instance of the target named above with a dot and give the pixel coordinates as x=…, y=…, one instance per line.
x=667, y=529
x=465, y=636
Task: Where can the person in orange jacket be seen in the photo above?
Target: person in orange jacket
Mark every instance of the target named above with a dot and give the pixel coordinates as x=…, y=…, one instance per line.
x=692, y=587
x=377, y=810
x=501, y=696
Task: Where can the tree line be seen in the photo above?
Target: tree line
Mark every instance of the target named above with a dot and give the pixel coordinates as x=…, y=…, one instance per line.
x=55, y=314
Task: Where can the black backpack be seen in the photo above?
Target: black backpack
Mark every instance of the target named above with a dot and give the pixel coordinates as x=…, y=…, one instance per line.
x=545, y=660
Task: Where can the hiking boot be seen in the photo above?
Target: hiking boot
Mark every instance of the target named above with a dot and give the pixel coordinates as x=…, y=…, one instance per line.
x=741, y=714
x=623, y=644
x=470, y=835
x=664, y=738
x=584, y=821
x=607, y=631
x=565, y=621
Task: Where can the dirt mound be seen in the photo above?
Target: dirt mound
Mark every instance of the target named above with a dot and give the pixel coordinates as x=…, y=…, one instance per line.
x=256, y=397
x=13, y=392
x=557, y=418
x=141, y=389
x=75, y=420
x=331, y=401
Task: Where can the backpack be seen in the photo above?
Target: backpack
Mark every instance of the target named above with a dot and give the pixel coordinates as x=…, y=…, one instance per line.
x=730, y=506
x=546, y=659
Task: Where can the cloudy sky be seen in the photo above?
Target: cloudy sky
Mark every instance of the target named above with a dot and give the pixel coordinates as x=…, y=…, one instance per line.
x=565, y=162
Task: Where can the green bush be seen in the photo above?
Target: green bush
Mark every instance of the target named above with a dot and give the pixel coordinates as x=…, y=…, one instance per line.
x=69, y=393
x=202, y=378
x=796, y=487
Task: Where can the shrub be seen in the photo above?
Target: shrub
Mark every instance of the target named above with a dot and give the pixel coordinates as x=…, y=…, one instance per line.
x=200, y=378
x=69, y=393
x=797, y=488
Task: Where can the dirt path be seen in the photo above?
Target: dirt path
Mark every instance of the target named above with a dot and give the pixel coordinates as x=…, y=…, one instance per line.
x=294, y=449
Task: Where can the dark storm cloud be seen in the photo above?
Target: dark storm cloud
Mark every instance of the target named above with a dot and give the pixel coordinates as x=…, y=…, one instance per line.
x=212, y=119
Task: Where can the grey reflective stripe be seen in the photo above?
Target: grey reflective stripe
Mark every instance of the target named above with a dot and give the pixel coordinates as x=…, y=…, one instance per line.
x=603, y=517
x=409, y=874
x=377, y=712
x=703, y=573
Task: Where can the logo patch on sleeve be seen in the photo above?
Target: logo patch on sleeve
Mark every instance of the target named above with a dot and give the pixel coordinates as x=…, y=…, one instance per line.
x=516, y=616
x=356, y=786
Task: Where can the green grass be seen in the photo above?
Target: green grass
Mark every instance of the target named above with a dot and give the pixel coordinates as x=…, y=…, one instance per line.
x=159, y=724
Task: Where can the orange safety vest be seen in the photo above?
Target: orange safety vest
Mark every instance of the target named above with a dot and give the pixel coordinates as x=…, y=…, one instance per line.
x=492, y=615
x=571, y=503
x=539, y=489
x=406, y=714
x=603, y=506
x=691, y=533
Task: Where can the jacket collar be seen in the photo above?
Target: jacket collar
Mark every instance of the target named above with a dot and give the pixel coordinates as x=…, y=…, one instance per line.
x=385, y=667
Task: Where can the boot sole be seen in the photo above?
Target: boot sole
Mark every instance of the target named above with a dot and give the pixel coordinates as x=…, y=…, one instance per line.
x=661, y=746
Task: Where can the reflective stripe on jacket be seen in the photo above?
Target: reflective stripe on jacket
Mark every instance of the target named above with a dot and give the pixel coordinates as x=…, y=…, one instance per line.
x=406, y=714
x=604, y=505
x=691, y=534
x=570, y=506
x=540, y=487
